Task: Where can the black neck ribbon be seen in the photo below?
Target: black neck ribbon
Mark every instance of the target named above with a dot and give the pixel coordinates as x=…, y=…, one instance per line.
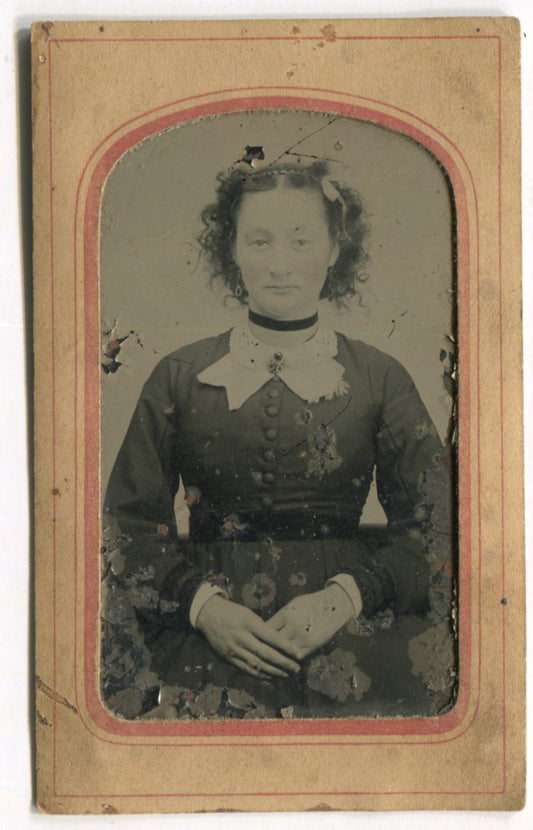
x=282, y=325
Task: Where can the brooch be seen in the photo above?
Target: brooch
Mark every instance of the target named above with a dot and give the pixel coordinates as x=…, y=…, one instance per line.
x=275, y=363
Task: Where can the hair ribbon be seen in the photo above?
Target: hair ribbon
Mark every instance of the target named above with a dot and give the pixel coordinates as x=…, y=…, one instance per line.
x=332, y=195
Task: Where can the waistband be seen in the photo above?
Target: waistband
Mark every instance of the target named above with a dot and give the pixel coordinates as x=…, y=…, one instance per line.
x=207, y=526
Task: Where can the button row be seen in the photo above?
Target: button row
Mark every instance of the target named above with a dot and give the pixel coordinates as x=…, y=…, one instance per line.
x=271, y=433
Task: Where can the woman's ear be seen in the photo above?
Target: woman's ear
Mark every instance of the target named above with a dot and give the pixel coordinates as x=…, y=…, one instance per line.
x=334, y=253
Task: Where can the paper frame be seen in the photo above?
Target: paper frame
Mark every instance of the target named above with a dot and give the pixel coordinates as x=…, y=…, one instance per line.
x=77, y=442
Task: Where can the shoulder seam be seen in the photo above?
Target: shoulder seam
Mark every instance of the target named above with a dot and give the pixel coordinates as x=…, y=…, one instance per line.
x=208, y=343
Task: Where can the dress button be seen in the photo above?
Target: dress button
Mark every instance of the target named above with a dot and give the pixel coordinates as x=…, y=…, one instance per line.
x=271, y=433
x=272, y=410
x=268, y=477
x=273, y=392
x=267, y=501
x=269, y=455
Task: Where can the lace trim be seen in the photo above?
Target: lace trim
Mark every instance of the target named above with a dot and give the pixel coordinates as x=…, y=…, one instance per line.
x=246, y=350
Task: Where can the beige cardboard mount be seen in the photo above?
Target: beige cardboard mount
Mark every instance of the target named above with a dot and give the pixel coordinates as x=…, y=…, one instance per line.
x=99, y=90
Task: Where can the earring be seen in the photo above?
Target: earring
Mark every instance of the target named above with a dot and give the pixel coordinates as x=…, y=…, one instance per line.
x=240, y=288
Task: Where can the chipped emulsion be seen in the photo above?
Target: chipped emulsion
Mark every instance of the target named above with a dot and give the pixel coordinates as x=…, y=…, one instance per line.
x=252, y=155
x=112, y=346
x=304, y=417
x=321, y=443
x=337, y=676
x=449, y=376
x=259, y=593
x=433, y=653
x=193, y=495
x=213, y=702
x=324, y=455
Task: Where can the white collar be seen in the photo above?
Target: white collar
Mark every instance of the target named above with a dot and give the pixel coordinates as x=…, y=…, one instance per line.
x=308, y=369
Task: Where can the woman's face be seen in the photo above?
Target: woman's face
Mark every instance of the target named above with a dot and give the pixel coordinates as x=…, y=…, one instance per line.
x=283, y=249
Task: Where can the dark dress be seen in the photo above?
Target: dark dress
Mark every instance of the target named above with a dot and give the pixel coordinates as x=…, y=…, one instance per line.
x=276, y=489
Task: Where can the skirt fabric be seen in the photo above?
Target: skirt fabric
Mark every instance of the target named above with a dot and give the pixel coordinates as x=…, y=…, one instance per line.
x=365, y=671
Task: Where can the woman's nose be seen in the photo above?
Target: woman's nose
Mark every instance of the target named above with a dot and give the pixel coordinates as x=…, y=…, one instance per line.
x=278, y=262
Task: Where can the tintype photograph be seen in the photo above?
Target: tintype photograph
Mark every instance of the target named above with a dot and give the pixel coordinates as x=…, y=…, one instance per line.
x=278, y=423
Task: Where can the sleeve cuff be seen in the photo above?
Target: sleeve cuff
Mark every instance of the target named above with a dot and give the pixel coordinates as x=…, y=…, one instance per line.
x=349, y=585
x=204, y=592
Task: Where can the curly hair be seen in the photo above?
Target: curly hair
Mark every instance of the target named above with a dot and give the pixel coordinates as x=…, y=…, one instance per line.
x=344, y=212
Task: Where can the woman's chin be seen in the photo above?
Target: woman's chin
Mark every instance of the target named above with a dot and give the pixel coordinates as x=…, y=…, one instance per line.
x=283, y=308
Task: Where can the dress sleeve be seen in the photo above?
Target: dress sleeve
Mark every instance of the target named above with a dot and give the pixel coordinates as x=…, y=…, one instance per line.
x=140, y=533
x=413, y=484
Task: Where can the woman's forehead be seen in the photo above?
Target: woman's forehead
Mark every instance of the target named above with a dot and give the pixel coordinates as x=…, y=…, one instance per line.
x=282, y=204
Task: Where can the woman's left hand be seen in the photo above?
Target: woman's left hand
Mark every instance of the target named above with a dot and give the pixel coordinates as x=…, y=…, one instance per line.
x=312, y=620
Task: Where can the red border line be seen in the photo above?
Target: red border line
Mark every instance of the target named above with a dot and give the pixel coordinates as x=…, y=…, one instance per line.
x=395, y=726
x=53, y=384
x=244, y=39
x=502, y=424
x=302, y=793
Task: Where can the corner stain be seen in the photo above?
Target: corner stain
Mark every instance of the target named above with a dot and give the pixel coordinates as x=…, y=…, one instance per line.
x=328, y=31
x=42, y=719
x=47, y=28
x=45, y=689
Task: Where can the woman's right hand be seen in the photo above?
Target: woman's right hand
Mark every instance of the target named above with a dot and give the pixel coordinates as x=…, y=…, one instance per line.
x=244, y=640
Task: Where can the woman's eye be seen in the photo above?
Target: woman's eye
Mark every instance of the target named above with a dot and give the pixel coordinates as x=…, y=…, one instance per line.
x=260, y=243
x=302, y=243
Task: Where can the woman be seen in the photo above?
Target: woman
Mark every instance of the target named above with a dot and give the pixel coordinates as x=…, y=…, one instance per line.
x=275, y=605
